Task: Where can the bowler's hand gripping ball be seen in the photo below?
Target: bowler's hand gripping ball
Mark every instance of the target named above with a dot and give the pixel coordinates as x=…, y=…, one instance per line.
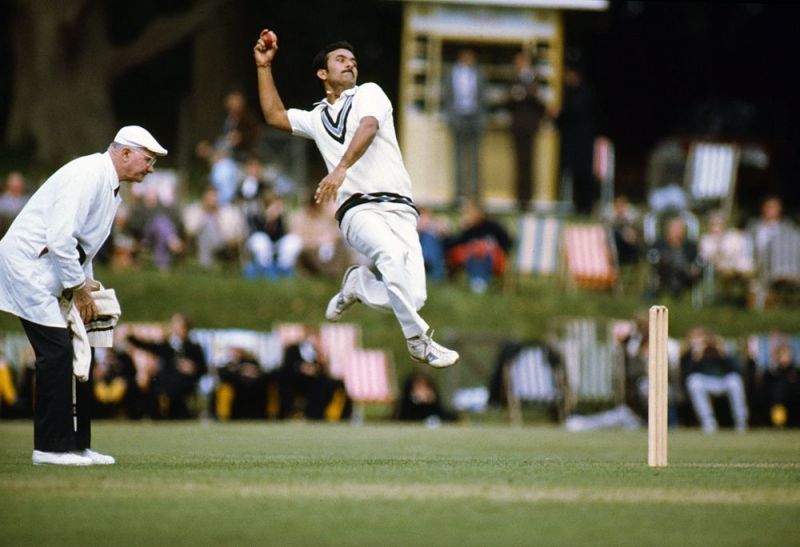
x=269, y=38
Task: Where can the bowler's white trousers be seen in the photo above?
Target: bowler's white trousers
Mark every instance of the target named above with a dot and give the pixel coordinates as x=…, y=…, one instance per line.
x=387, y=234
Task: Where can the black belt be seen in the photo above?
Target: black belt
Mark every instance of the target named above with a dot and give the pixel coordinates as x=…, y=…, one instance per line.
x=378, y=197
x=81, y=254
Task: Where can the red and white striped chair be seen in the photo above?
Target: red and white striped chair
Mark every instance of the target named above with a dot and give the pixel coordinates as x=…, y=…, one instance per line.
x=589, y=260
x=338, y=339
x=368, y=378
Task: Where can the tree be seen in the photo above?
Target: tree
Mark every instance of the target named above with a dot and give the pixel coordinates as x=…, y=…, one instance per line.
x=64, y=65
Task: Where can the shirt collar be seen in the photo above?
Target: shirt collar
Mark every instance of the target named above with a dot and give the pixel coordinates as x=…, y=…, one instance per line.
x=345, y=93
x=113, y=178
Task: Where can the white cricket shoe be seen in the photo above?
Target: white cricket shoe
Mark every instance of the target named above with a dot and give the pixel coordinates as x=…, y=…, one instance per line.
x=96, y=457
x=424, y=350
x=59, y=458
x=344, y=298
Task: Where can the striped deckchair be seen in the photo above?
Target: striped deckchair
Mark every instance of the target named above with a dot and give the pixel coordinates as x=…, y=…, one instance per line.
x=589, y=260
x=782, y=263
x=338, y=339
x=593, y=366
x=539, y=238
x=711, y=171
x=530, y=378
x=368, y=378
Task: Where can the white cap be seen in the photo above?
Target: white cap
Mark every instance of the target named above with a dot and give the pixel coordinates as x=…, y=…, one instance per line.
x=139, y=137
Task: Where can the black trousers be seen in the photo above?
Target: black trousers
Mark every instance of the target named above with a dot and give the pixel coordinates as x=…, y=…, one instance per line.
x=523, y=156
x=54, y=426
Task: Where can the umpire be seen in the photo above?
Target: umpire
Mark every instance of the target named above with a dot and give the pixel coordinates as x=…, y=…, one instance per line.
x=47, y=254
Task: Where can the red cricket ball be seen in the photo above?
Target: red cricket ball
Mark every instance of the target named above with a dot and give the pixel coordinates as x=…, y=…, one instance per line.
x=268, y=37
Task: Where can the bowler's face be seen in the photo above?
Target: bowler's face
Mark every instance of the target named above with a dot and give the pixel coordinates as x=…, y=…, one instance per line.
x=342, y=68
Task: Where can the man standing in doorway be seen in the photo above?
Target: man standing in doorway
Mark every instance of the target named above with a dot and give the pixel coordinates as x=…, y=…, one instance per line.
x=45, y=259
x=354, y=131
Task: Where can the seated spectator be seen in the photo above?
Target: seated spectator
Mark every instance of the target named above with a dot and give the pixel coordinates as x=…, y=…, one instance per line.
x=224, y=171
x=217, y=231
x=767, y=226
x=253, y=183
x=241, y=131
x=305, y=386
x=675, y=261
x=625, y=220
x=16, y=390
x=181, y=363
x=272, y=248
x=12, y=200
x=481, y=248
x=114, y=389
x=433, y=232
x=322, y=251
x=157, y=228
x=707, y=370
x=420, y=401
x=776, y=243
x=247, y=381
x=782, y=388
x=727, y=251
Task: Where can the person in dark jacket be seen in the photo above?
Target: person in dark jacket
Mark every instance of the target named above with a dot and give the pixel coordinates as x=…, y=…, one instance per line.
x=481, y=248
x=181, y=364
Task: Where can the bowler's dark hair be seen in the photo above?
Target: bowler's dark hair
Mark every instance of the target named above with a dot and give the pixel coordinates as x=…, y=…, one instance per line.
x=321, y=59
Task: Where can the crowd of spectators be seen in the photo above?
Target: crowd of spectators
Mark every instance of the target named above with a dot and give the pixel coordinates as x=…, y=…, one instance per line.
x=713, y=382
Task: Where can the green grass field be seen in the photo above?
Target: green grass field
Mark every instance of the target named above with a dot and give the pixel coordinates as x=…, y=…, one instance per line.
x=303, y=484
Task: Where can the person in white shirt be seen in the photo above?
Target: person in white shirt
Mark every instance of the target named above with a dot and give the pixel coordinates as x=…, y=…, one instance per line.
x=354, y=131
x=45, y=256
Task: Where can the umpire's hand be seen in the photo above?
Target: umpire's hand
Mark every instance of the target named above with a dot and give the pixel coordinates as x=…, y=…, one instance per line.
x=82, y=297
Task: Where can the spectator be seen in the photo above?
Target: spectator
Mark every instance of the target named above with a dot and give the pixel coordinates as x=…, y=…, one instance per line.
x=254, y=183
x=481, y=248
x=675, y=261
x=157, y=228
x=782, y=388
x=273, y=249
x=244, y=375
x=575, y=123
x=526, y=109
x=726, y=250
x=465, y=109
x=224, y=171
x=115, y=390
x=707, y=370
x=217, y=231
x=625, y=220
x=433, y=233
x=420, y=401
x=322, y=251
x=181, y=363
x=12, y=200
x=305, y=386
x=241, y=129
x=768, y=225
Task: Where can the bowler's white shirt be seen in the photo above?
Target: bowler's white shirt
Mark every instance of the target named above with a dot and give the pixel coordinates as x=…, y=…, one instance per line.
x=332, y=126
x=75, y=206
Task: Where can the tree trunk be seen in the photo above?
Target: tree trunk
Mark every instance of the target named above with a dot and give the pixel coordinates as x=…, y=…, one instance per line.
x=63, y=68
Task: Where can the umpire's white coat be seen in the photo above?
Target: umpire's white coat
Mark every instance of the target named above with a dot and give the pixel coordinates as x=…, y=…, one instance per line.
x=39, y=255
